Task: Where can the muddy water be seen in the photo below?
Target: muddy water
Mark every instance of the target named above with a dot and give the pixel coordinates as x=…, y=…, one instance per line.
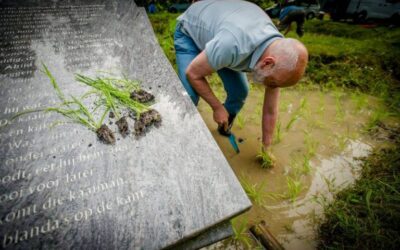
x=320, y=134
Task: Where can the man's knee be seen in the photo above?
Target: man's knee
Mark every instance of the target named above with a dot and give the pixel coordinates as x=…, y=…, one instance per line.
x=244, y=92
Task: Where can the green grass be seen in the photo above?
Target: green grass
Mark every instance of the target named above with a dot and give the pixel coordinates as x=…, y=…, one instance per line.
x=378, y=116
x=164, y=27
x=367, y=215
x=353, y=57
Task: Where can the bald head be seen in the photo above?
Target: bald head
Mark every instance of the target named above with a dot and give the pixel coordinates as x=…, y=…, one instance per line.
x=282, y=64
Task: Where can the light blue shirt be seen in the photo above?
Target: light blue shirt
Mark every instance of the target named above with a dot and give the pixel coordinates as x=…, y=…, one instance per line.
x=233, y=33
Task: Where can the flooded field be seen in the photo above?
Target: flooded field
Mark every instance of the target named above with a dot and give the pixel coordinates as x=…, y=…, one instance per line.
x=346, y=106
x=318, y=138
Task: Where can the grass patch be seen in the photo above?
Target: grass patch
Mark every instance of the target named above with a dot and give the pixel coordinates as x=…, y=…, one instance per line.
x=164, y=27
x=367, y=215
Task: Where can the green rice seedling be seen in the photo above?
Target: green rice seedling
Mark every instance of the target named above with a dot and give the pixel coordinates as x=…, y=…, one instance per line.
x=321, y=109
x=292, y=120
x=359, y=100
x=311, y=144
x=115, y=96
x=338, y=105
x=241, y=236
x=254, y=191
x=266, y=159
x=315, y=123
x=284, y=105
x=240, y=121
x=341, y=141
x=76, y=112
x=278, y=133
x=339, y=111
x=300, y=165
x=303, y=105
x=294, y=188
x=300, y=111
x=306, y=166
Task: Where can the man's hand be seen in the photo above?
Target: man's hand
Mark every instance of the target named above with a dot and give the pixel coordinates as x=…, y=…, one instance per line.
x=196, y=73
x=221, y=116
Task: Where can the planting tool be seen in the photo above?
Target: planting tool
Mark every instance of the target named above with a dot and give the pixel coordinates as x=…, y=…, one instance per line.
x=226, y=131
x=232, y=140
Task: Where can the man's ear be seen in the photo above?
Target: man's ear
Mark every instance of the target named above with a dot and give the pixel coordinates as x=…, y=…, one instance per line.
x=267, y=62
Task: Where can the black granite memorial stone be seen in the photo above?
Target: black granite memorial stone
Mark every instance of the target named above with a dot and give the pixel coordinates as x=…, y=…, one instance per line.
x=60, y=187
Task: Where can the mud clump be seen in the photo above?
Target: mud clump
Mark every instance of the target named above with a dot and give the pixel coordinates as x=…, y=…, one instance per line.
x=142, y=96
x=123, y=126
x=105, y=134
x=145, y=120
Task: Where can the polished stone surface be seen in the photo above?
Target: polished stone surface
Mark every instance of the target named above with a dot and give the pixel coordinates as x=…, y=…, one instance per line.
x=60, y=186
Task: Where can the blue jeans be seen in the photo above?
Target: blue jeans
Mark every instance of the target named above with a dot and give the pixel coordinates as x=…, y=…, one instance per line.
x=235, y=83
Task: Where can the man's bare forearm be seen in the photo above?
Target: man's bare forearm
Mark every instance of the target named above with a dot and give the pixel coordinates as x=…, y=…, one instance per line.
x=196, y=73
x=203, y=89
x=270, y=114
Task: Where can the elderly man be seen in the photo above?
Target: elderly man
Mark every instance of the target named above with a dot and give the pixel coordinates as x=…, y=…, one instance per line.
x=232, y=37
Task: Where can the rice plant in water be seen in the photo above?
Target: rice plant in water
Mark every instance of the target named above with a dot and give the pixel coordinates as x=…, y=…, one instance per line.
x=278, y=133
x=311, y=144
x=300, y=165
x=306, y=166
x=254, y=191
x=266, y=158
x=359, y=100
x=240, y=233
x=292, y=120
x=294, y=188
x=341, y=141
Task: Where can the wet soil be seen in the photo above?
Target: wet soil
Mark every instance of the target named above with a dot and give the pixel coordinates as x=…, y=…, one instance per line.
x=123, y=126
x=105, y=134
x=145, y=120
x=142, y=96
